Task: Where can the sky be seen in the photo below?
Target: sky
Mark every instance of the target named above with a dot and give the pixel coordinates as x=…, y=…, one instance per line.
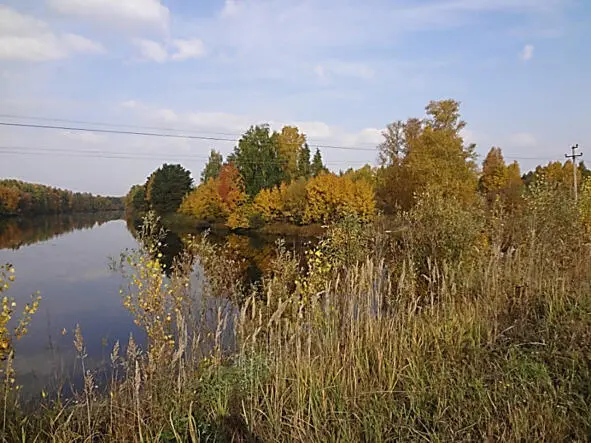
x=341, y=70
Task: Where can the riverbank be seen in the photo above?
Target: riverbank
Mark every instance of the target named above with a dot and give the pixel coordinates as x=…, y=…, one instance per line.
x=187, y=225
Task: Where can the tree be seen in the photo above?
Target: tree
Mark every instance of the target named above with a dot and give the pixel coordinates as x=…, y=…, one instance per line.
x=428, y=155
x=212, y=167
x=366, y=173
x=393, y=146
x=34, y=199
x=330, y=198
x=269, y=203
x=317, y=166
x=290, y=144
x=9, y=200
x=135, y=201
x=558, y=175
x=230, y=188
x=257, y=158
x=295, y=201
x=304, y=166
x=166, y=188
x=512, y=193
x=204, y=202
x=494, y=176
x=585, y=173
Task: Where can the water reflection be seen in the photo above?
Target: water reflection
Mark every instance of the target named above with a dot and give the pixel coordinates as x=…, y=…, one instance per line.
x=254, y=253
x=67, y=259
x=18, y=232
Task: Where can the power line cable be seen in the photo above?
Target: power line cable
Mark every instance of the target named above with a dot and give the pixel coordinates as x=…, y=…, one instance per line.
x=160, y=134
x=155, y=128
x=19, y=150
x=201, y=137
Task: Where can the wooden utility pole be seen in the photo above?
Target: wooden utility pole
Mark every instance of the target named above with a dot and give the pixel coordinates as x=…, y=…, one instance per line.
x=573, y=156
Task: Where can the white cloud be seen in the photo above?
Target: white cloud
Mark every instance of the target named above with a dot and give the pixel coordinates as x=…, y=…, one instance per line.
x=129, y=104
x=186, y=49
x=232, y=126
x=17, y=24
x=168, y=115
x=23, y=37
x=231, y=8
x=343, y=69
x=523, y=140
x=527, y=53
x=151, y=50
x=91, y=138
x=160, y=53
x=127, y=12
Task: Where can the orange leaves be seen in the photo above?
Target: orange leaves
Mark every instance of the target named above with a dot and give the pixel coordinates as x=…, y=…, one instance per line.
x=217, y=198
x=230, y=188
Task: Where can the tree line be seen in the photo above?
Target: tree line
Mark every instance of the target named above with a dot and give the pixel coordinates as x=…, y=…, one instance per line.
x=270, y=177
x=27, y=199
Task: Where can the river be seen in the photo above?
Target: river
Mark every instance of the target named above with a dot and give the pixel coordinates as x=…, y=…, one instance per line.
x=68, y=260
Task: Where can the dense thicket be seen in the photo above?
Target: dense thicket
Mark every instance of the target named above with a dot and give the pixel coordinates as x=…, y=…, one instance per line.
x=21, y=198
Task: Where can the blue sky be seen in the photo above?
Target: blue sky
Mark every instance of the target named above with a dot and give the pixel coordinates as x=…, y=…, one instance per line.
x=339, y=69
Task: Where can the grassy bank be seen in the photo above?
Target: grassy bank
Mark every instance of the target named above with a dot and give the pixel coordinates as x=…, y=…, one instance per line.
x=466, y=325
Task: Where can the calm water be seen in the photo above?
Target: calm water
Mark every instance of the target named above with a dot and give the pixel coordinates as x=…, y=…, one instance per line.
x=67, y=259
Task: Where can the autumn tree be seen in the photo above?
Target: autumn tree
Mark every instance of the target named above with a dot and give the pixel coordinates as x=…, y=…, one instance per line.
x=392, y=149
x=366, y=173
x=494, y=175
x=330, y=198
x=35, y=199
x=269, y=203
x=230, y=188
x=512, y=193
x=166, y=188
x=9, y=200
x=257, y=158
x=204, y=202
x=213, y=166
x=290, y=143
x=427, y=155
x=317, y=167
x=557, y=174
x=295, y=201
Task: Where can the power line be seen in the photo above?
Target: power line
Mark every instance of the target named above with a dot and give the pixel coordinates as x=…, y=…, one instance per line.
x=160, y=134
x=179, y=136
x=20, y=150
x=151, y=128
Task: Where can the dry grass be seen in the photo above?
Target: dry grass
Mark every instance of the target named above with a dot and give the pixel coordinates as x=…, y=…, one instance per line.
x=377, y=341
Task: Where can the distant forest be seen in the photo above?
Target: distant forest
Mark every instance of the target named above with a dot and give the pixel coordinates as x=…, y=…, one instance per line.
x=26, y=199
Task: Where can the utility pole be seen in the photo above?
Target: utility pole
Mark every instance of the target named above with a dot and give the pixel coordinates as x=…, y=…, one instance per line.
x=573, y=156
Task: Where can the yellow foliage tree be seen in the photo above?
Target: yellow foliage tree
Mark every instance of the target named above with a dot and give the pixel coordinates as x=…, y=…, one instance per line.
x=290, y=143
x=204, y=202
x=269, y=203
x=9, y=199
x=331, y=197
x=295, y=201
